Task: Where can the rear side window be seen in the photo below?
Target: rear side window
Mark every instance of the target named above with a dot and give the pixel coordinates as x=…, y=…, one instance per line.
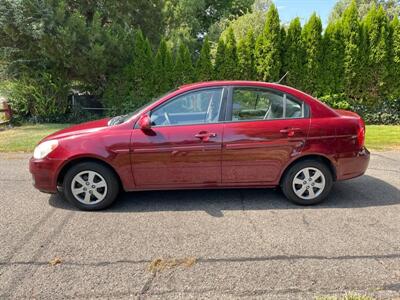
x=258, y=104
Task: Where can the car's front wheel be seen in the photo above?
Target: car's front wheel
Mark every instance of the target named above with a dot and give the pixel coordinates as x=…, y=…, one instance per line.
x=90, y=186
x=307, y=182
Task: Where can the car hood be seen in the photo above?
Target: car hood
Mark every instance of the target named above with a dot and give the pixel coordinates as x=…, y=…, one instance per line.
x=79, y=129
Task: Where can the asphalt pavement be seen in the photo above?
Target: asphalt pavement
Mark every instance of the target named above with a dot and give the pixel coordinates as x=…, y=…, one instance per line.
x=202, y=244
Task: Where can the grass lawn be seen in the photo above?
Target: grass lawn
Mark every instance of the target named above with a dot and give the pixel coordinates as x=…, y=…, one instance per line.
x=24, y=138
x=383, y=137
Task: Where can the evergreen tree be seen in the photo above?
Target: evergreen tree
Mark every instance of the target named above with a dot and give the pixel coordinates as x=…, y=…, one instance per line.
x=133, y=86
x=333, y=48
x=352, y=38
x=220, y=61
x=312, y=40
x=183, y=69
x=204, y=68
x=142, y=69
x=231, y=58
x=377, y=30
x=246, y=61
x=283, y=52
x=163, y=69
x=268, y=47
x=395, y=58
x=294, y=58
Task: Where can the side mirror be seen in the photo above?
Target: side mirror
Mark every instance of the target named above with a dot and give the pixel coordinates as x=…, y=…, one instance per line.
x=144, y=122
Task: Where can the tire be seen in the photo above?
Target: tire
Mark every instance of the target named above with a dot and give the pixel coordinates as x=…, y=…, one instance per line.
x=90, y=186
x=301, y=190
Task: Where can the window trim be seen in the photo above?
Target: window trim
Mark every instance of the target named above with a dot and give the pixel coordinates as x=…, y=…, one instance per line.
x=221, y=113
x=229, y=107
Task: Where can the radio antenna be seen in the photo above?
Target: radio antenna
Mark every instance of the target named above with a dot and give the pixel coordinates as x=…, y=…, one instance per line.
x=283, y=77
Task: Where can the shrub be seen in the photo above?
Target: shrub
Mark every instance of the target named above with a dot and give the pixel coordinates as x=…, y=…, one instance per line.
x=336, y=101
x=383, y=112
x=44, y=97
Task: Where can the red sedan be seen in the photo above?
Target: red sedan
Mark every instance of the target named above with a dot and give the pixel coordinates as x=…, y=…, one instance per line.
x=225, y=134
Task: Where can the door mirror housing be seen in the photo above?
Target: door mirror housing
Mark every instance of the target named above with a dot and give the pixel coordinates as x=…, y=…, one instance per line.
x=144, y=122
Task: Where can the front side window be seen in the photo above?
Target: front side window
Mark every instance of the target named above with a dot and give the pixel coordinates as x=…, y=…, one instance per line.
x=197, y=107
x=256, y=104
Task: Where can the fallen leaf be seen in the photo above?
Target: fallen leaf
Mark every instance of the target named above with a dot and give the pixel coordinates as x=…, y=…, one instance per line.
x=160, y=264
x=55, y=261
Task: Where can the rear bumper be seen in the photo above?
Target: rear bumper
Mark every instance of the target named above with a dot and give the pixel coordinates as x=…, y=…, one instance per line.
x=44, y=174
x=352, y=165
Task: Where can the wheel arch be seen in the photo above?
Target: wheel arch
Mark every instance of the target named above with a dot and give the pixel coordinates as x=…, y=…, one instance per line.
x=64, y=169
x=321, y=158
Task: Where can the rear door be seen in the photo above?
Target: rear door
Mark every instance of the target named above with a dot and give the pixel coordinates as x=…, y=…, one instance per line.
x=183, y=147
x=264, y=129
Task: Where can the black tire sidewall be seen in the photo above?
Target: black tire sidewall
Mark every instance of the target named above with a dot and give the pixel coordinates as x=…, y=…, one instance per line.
x=105, y=172
x=288, y=179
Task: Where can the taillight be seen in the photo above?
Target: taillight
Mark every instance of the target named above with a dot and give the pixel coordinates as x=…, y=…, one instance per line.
x=361, y=133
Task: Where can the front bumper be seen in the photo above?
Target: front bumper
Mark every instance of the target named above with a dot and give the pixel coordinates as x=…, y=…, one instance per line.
x=44, y=173
x=353, y=165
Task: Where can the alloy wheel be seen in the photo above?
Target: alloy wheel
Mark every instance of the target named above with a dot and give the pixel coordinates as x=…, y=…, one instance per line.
x=89, y=187
x=308, y=183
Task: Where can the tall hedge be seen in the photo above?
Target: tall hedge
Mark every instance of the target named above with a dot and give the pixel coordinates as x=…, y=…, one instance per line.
x=268, y=48
x=312, y=40
x=246, y=59
x=395, y=58
x=333, y=58
x=353, y=59
x=377, y=34
x=204, y=67
x=294, y=58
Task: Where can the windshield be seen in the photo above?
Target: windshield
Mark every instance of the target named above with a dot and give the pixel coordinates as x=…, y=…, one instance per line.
x=123, y=118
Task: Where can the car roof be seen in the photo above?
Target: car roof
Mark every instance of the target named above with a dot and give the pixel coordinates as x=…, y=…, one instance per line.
x=272, y=85
x=225, y=82
x=319, y=108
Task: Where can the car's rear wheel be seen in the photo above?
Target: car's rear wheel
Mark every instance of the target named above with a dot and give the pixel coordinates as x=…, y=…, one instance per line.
x=90, y=186
x=307, y=182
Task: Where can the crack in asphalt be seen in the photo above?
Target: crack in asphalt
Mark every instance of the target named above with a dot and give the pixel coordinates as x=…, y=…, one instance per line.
x=383, y=156
x=21, y=275
x=214, y=260
x=256, y=231
x=147, y=285
x=386, y=170
x=28, y=236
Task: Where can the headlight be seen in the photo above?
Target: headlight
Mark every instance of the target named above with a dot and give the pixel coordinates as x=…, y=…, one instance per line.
x=43, y=149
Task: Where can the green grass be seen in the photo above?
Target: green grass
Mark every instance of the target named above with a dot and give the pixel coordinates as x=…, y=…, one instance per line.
x=383, y=137
x=24, y=138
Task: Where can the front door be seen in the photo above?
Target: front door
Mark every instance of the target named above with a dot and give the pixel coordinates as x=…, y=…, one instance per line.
x=183, y=147
x=266, y=128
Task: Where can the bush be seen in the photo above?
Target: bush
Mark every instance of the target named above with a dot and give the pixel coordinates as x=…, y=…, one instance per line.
x=384, y=112
x=336, y=101
x=44, y=97
x=72, y=116
x=44, y=100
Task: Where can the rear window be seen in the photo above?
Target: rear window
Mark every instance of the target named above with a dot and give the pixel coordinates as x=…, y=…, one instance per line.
x=260, y=104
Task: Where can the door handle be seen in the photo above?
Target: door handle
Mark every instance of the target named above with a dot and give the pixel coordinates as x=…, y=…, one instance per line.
x=290, y=131
x=204, y=135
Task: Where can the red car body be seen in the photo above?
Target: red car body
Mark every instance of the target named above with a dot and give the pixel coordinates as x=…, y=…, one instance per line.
x=223, y=154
